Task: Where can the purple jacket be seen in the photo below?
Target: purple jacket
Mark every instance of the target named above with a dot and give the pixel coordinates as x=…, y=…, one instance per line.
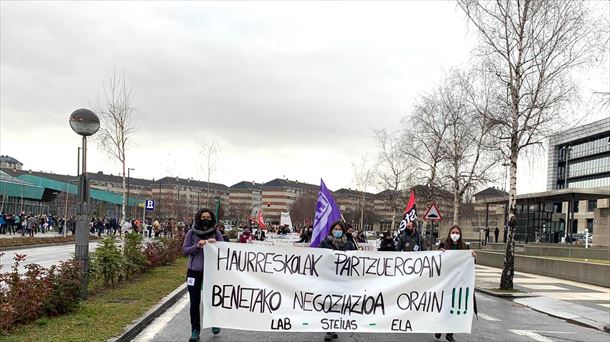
x=189, y=247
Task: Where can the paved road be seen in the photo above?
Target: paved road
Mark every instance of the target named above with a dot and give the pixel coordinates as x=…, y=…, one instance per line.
x=45, y=256
x=499, y=320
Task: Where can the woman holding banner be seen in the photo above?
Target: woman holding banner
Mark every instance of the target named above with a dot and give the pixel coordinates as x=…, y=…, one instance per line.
x=454, y=242
x=203, y=231
x=337, y=240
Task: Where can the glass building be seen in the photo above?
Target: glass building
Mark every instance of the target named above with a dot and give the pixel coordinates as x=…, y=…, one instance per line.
x=580, y=158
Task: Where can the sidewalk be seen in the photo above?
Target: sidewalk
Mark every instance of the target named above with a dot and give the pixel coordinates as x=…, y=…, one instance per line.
x=584, y=304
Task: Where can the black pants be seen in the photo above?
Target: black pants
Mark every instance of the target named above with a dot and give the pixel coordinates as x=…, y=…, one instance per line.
x=195, y=297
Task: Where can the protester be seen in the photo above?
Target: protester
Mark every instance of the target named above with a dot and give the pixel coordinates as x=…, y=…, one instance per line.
x=350, y=236
x=409, y=239
x=387, y=243
x=246, y=236
x=361, y=237
x=486, y=235
x=221, y=229
x=260, y=234
x=156, y=226
x=453, y=242
x=337, y=240
x=306, y=235
x=202, y=232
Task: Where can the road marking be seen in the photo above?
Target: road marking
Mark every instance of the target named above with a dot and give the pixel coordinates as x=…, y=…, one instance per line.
x=537, y=337
x=488, y=317
x=544, y=287
x=160, y=322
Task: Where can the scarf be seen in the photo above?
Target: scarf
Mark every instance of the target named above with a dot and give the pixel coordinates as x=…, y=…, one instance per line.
x=338, y=243
x=206, y=233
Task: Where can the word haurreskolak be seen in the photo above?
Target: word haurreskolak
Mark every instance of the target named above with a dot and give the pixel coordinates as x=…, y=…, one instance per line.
x=272, y=288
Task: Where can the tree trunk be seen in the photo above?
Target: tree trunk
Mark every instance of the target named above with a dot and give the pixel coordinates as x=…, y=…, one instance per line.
x=508, y=271
x=124, y=193
x=456, y=197
x=362, y=213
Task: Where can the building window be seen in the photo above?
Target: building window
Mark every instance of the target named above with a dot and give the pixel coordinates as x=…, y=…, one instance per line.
x=591, y=205
x=576, y=206
x=575, y=226
x=590, y=226
x=557, y=207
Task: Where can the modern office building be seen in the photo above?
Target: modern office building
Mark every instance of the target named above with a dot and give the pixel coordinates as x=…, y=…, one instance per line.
x=580, y=158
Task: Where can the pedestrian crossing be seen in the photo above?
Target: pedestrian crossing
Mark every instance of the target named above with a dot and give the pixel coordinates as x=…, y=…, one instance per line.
x=592, y=296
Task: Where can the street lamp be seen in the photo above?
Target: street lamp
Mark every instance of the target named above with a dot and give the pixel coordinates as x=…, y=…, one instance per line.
x=127, y=199
x=85, y=123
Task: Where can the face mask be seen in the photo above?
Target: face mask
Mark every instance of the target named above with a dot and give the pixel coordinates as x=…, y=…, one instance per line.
x=206, y=223
x=455, y=237
x=337, y=233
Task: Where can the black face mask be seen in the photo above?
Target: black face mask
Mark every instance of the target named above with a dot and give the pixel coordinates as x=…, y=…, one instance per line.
x=206, y=223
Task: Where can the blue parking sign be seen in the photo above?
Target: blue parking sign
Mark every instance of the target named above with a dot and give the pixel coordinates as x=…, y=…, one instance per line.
x=150, y=205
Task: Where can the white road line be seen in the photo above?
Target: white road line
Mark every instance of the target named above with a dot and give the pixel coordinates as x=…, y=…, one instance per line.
x=160, y=322
x=537, y=337
x=488, y=317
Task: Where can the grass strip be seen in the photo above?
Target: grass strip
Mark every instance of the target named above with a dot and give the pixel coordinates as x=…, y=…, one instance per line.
x=106, y=314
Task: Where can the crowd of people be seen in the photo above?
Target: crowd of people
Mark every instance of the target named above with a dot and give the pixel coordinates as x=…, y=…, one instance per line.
x=341, y=237
x=28, y=224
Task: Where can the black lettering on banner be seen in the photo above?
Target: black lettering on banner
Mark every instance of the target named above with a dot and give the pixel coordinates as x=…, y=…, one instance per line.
x=259, y=262
x=281, y=324
x=251, y=299
x=425, y=302
x=339, y=303
x=400, y=325
x=338, y=324
x=360, y=266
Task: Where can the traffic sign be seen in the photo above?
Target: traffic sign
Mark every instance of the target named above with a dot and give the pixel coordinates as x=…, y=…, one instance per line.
x=433, y=214
x=150, y=205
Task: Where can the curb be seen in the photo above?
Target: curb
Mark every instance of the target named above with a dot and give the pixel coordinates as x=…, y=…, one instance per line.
x=504, y=294
x=12, y=248
x=141, y=323
x=579, y=321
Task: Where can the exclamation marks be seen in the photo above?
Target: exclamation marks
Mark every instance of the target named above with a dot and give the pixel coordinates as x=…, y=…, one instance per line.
x=452, y=301
x=459, y=300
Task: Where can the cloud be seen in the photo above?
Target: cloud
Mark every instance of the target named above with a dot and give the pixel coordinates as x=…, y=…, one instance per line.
x=290, y=89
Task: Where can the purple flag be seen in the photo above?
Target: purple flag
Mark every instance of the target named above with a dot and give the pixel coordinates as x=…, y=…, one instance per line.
x=327, y=212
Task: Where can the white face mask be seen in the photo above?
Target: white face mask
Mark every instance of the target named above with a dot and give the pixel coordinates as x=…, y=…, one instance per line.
x=455, y=237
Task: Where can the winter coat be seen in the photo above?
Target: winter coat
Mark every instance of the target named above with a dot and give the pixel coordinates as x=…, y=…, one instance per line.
x=195, y=254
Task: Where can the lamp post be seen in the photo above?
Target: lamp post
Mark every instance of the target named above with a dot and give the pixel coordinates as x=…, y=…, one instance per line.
x=127, y=211
x=85, y=123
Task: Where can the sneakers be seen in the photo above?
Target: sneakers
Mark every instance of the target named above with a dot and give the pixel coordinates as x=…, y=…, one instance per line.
x=330, y=336
x=194, y=336
x=448, y=338
x=215, y=331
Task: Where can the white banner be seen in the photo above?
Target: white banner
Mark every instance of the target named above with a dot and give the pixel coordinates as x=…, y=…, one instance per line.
x=274, y=288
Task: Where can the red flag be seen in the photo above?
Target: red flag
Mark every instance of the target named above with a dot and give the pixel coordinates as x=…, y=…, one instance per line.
x=261, y=221
x=410, y=212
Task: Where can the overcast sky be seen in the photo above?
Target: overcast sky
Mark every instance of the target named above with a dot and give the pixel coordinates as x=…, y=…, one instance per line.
x=286, y=89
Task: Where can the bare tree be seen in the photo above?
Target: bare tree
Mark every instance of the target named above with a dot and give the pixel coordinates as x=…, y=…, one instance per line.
x=424, y=134
x=115, y=109
x=393, y=171
x=363, y=177
x=303, y=209
x=209, y=152
x=468, y=146
x=529, y=48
